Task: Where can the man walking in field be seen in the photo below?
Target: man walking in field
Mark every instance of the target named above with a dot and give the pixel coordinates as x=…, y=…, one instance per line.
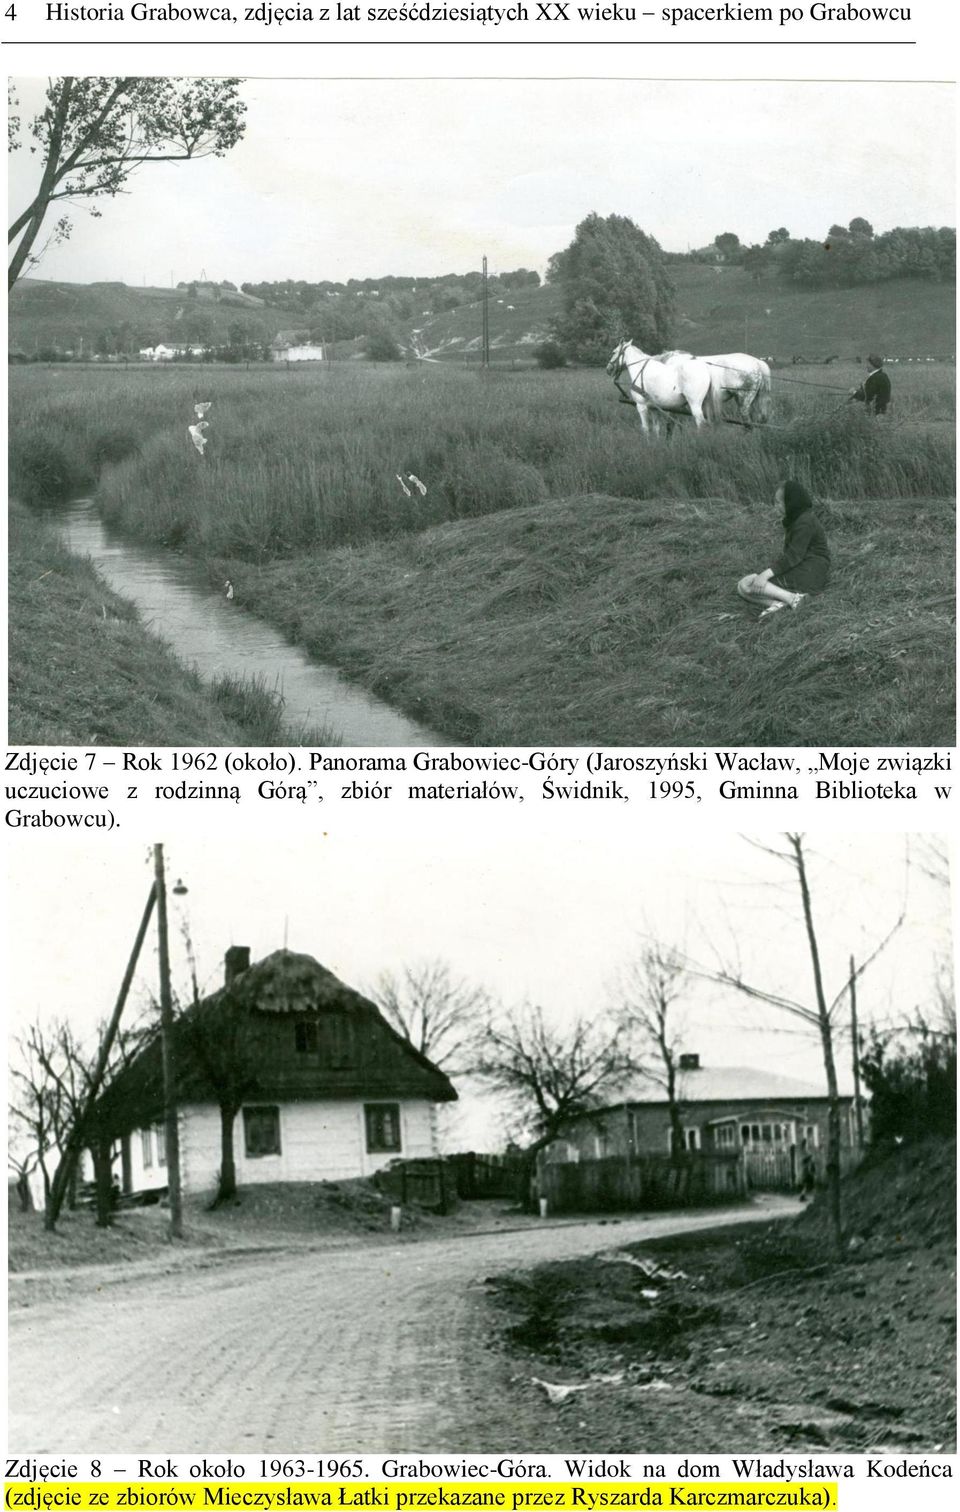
x=876, y=388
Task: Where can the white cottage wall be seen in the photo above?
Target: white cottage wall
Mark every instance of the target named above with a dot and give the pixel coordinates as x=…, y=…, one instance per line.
x=319, y=1141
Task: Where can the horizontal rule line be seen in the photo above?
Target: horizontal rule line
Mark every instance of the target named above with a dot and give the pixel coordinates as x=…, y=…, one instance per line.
x=426, y=42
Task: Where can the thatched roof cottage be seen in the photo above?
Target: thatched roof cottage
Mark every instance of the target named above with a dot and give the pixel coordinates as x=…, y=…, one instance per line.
x=302, y=1073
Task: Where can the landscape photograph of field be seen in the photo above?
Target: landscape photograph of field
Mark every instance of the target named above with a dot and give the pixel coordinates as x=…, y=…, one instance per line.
x=357, y=494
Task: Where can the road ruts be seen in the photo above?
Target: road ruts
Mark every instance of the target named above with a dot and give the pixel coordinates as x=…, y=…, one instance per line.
x=361, y=1349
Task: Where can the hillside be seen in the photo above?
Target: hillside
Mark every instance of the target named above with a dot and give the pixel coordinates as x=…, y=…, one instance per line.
x=719, y=309
x=64, y=315
x=723, y=309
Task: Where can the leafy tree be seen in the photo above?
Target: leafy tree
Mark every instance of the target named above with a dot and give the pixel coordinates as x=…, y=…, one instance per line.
x=860, y=227
x=755, y=261
x=94, y=132
x=381, y=345
x=911, y=1075
x=614, y=282
x=778, y=237
x=728, y=245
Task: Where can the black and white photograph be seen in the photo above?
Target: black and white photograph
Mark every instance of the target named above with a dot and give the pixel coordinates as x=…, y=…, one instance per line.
x=481, y=411
x=484, y=1145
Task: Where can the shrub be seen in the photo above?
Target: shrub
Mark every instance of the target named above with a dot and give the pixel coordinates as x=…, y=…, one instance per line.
x=550, y=354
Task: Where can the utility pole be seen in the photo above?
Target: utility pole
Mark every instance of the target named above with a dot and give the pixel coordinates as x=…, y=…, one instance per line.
x=858, y=1106
x=76, y=1140
x=171, y=1127
x=485, y=341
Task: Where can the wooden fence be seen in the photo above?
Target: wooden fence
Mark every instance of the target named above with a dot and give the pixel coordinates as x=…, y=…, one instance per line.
x=779, y=1170
x=637, y=1183
x=479, y=1176
x=429, y=1183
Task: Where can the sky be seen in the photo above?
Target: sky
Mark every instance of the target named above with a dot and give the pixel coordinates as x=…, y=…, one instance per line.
x=360, y=178
x=546, y=918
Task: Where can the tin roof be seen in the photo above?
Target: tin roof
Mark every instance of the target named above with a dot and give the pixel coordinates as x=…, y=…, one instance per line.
x=730, y=1084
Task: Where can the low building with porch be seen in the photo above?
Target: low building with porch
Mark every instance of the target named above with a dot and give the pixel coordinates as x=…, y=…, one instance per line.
x=772, y=1121
x=313, y=1082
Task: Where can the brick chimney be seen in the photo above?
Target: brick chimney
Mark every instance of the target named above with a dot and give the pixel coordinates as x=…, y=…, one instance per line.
x=237, y=959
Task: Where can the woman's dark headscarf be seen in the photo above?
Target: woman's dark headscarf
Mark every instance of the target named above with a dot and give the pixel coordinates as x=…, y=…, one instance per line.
x=796, y=501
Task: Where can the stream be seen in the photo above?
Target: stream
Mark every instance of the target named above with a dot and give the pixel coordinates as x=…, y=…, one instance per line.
x=216, y=636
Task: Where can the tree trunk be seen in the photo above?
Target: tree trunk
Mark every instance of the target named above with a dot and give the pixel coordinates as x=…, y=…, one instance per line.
x=829, y=1065
x=100, y=1150
x=24, y=1193
x=227, y=1187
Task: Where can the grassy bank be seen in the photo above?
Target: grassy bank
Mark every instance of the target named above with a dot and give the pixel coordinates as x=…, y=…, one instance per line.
x=84, y=671
x=753, y=1332
x=562, y=580
x=598, y=620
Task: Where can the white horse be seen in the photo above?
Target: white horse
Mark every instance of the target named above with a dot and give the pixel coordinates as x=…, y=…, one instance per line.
x=682, y=386
x=737, y=376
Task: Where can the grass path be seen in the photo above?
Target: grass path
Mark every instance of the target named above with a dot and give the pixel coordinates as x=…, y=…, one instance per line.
x=603, y=621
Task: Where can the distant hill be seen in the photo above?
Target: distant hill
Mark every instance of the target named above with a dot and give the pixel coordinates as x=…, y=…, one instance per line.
x=723, y=309
x=61, y=315
x=719, y=309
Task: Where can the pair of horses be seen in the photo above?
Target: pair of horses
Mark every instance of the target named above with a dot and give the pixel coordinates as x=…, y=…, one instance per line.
x=677, y=383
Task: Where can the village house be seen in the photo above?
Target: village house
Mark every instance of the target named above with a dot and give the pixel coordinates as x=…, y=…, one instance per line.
x=295, y=346
x=313, y=1081
x=773, y=1121
x=163, y=353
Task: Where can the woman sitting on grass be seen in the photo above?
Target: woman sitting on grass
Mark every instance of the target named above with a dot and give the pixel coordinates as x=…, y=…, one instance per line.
x=804, y=564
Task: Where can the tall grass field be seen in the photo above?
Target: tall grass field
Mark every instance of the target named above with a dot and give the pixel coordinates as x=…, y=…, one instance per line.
x=299, y=484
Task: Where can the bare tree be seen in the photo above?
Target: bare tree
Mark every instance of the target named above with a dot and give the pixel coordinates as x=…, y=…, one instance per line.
x=217, y=1039
x=437, y=1013
x=22, y=1164
x=651, y=989
x=93, y=133
x=552, y=1075
x=35, y=1116
x=819, y=1014
x=58, y=1082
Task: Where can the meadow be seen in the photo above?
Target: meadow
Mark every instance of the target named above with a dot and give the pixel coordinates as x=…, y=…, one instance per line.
x=609, y=553
x=298, y=460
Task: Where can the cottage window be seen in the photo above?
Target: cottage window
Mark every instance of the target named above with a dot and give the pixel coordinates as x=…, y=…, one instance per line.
x=692, y=1137
x=261, y=1131
x=383, y=1127
x=161, y=1134
x=305, y=1037
x=146, y=1146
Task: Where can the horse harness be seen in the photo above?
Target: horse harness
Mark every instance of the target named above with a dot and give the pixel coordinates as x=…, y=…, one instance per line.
x=637, y=384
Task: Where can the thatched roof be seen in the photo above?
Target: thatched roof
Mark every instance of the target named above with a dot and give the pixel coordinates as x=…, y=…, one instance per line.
x=356, y=1054
x=286, y=982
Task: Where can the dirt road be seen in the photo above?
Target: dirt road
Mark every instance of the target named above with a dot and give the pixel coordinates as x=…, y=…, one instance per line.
x=356, y=1349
